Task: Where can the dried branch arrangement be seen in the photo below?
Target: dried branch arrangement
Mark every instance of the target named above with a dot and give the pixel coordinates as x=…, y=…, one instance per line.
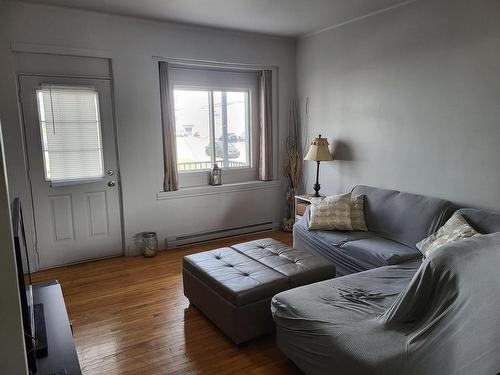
x=292, y=168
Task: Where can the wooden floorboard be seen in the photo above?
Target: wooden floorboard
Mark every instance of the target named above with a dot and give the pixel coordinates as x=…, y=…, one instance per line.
x=130, y=316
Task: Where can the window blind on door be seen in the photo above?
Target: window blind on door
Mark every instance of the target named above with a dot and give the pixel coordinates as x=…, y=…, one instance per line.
x=71, y=136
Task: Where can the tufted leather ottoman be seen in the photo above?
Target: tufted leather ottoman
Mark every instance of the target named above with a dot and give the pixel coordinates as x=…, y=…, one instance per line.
x=233, y=286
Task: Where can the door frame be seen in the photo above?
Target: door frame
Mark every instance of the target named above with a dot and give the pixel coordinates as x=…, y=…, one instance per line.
x=30, y=210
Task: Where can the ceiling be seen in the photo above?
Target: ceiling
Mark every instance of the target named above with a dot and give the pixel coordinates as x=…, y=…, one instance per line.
x=276, y=17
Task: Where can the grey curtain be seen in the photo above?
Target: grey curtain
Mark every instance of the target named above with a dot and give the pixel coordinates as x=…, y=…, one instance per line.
x=266, y=126
x=170, y=181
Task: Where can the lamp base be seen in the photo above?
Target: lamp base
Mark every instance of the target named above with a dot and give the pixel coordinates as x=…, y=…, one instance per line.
x=316, y=189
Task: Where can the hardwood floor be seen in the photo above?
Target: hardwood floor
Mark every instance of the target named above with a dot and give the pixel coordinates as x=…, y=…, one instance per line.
x=130, y=316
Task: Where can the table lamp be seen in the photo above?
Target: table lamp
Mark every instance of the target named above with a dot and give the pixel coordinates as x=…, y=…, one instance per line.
x=318, y=151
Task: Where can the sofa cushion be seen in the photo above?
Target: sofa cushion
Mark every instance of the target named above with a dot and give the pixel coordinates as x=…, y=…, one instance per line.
x=301, y=267
x=337, y=238
x=484, y=221
x=331, y=213
x=403, y=217
x=455, y=229
x=333, y=237
x=329, y=244
x=236, y=277
x=358, y=213
x=379, y=251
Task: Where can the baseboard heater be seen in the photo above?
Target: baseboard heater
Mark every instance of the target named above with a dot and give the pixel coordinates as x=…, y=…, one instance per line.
x=190, y=239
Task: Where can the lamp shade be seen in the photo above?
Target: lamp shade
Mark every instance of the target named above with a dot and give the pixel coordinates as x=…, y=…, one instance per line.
x=319, y=150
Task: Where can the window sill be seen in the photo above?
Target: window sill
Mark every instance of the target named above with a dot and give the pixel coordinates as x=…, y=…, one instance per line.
x=220, y=189
x=225, y=170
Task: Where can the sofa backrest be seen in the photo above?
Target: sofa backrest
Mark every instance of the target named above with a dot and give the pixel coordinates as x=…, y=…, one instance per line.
x=483, y=221
x=403, y=217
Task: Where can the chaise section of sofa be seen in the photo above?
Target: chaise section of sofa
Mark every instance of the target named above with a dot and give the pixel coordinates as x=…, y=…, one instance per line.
x=435, y=317
x=324, y=333
x=396, y=221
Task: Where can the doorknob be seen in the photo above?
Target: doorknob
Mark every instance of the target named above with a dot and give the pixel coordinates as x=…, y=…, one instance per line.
x=112, y=183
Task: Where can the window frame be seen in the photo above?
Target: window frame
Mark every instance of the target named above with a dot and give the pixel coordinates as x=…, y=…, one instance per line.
x=206, y=83
x=249, y=123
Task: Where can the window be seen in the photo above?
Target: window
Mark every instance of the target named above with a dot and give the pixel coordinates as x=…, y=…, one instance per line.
x=216, y=121
x=70, y=129
x=212, y=126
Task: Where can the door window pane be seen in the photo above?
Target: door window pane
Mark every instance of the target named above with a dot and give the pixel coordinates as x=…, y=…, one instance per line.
x=192, y=126
x=70, y=129
x=221, y=120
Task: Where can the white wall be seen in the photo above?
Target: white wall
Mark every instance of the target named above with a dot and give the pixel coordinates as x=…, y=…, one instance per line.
x=413, y=98
x=131, y=44
x=12, y=349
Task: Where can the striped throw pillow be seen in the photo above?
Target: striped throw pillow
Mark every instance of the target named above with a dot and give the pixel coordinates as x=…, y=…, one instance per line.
x=456, y=228
x=358, y=213
x=331, y=213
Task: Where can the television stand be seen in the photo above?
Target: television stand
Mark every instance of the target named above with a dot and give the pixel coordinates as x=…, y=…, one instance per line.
x=61, y=356
x=40, y=330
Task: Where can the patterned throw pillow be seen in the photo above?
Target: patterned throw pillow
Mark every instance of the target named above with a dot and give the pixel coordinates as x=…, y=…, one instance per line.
x=456, y=228
x=358, y=213
x=331, y=213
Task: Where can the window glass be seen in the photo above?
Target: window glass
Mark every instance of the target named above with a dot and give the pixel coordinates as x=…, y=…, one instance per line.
x=219, y=131
x=238, y=126
x=70, y=129
x=192, y=126
x=218, y=125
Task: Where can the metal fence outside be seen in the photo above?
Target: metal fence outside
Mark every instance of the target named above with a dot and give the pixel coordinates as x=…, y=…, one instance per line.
x=201, y=165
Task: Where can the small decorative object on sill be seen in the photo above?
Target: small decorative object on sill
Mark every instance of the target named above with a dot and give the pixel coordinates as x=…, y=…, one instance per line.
x=150, y=244
x=215, y=176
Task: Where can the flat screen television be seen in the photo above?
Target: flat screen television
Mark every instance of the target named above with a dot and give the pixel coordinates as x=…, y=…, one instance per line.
x=24, y=281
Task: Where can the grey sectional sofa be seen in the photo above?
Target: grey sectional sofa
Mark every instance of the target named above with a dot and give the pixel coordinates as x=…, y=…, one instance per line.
x=396, y=222
x=405, y=315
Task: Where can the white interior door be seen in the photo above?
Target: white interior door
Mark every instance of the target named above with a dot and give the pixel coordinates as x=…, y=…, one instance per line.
x=73, y=168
